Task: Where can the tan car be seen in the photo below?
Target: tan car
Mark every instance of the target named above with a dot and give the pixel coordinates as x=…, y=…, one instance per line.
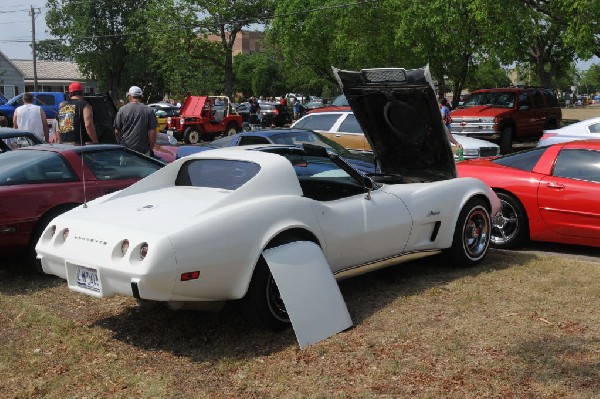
x=339, y=126
x=343, y=128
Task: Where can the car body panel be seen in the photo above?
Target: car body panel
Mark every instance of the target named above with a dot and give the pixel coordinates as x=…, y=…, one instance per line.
x=23, y=204
x=583, y=130
x=559, y=209
x=317, y=309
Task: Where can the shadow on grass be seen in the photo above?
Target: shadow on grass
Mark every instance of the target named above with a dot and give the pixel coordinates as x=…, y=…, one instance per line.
x=17, y=277
x=203, y=336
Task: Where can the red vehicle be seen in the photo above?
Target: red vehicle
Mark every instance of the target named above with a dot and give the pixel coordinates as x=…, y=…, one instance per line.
x=38, y=183
x=547, y=193
x=507, y=114
x=202, y=118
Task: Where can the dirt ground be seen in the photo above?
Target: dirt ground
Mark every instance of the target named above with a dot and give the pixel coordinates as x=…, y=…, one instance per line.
x=581, y=113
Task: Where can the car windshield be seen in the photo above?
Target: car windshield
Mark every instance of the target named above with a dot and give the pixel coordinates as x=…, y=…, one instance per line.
x=25, y=167
x=500, y=99
x=216, y=173
x=340, y=101
x=524, y=160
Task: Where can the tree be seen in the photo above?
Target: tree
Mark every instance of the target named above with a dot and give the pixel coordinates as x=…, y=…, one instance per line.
x=52, y=50
x=200, y=34
x=487, y=74
x=97, y=35
x=590, y=79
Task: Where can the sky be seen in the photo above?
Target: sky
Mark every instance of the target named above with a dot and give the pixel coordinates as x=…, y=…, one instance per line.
x=16, y=29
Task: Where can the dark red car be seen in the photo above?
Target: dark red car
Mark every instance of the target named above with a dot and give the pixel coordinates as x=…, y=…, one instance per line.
x=40, y=182
x=547, y=193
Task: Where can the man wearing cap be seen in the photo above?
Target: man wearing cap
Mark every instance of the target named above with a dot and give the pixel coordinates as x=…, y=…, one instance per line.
x=135, y=123
x=76, y=119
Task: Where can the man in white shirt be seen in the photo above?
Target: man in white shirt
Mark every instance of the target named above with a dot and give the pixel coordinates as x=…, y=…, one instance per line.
x=31, y=117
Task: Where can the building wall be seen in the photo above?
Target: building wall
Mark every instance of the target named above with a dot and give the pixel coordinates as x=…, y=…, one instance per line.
x=11, y=81
x=246, y=42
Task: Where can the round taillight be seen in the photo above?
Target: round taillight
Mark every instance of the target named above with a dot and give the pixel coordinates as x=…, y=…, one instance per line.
x=144, y=250
x=52, y=230
x=124, y=247
x=65, y=234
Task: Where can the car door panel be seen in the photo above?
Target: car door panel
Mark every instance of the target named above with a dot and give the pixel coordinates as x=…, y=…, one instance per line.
x=359, y=230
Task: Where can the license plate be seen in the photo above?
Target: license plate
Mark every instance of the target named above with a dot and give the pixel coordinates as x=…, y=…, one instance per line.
x=170, y=132
x=88, y=278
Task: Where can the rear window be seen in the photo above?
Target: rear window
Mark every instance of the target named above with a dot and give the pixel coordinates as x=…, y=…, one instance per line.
x=323, y=122
x=26, y=167
x=524, y=160
x=216, y=173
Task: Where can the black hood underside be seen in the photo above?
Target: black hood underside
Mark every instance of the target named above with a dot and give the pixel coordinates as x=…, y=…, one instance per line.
x=400, y=116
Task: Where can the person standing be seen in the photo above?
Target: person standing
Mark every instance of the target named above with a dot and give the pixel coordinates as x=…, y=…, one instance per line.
x=76, y=119
x=447, y=120
x=31, y=117
x=135, y=123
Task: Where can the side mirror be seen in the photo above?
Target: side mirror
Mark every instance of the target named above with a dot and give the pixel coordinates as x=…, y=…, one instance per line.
x=369, y=185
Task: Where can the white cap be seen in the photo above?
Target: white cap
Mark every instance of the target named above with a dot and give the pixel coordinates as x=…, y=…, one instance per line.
x=135, y=91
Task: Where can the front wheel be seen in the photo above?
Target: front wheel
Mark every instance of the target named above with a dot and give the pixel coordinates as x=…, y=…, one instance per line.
x=262, y=304
x=471, y=235
x=509, y=227
x=231, y=129
x=191, y=135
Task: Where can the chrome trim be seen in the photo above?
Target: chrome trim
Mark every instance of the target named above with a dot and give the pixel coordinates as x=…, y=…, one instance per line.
x=367, y=267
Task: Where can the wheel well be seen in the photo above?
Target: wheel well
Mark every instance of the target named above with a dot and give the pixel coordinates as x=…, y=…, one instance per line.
x=292, y=235
x=484, y=198
x=509, y=123
x=503, y=191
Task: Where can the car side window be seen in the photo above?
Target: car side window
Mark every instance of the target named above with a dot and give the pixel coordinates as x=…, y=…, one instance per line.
x=116, y=164
x=595, y=128
x=538, y=99
x=524, y=101
x=350, y=125
x=45, y=99
x=578, y=164
x=25, y=167
x=323, y=122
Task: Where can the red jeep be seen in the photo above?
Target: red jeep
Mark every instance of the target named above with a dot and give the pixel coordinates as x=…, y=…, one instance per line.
x=507, y=114
x=202, y=118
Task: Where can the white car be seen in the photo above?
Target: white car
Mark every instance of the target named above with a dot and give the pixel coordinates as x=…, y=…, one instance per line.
x=342, y=127
x=583, y=130
x=275, y=225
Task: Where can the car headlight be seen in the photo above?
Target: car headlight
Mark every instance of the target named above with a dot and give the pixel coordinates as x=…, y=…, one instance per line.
x=168, y=120
x=181, y=121
x=471, y=152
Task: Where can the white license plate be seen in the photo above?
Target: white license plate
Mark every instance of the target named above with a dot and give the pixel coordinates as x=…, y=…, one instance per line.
x=88, y=278
x=170, y=132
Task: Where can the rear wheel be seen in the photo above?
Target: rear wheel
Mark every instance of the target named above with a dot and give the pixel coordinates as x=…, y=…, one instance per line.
x=509, y=227
x=471, y=235
x=262, y=304
x=231, y=129
x=191, y=135
x=506, y=139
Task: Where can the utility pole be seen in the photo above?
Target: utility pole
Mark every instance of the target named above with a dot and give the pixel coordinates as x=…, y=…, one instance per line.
x=34, y=13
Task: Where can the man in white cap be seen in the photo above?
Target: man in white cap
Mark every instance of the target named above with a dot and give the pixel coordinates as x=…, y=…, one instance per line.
x=135, y=123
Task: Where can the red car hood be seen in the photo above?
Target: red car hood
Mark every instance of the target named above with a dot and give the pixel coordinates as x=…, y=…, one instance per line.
x=192, y=105
x=479, y=110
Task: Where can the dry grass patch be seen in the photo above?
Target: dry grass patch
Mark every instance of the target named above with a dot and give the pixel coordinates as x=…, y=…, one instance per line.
x=517, y=326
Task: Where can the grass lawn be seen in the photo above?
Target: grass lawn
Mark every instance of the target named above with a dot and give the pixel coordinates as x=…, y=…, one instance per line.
x=520, y=325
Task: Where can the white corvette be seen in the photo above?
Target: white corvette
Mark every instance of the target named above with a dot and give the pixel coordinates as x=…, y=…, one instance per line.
x=273, y=225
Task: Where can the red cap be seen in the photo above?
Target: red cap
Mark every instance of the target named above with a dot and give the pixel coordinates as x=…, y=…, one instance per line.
x=75, y=86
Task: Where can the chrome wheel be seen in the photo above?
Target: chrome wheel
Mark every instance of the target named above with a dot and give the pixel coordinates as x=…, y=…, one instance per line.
x=476, y=233
x=505, y=225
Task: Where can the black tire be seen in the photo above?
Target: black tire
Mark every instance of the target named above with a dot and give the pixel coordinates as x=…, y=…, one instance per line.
x=34, y=264
x=262, y=304
x=471, y=235
x=510, y=228
x=191, y=135
x=506, y=139
x=231, y=129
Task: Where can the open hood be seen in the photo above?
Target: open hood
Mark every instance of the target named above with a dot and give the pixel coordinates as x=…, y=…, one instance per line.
x=399, y=114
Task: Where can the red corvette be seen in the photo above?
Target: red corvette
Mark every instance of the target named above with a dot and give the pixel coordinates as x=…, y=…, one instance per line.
x=40, y=182
x=547, y=193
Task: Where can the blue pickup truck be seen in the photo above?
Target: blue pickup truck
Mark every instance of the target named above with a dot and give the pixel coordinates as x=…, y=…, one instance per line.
x=48, y=100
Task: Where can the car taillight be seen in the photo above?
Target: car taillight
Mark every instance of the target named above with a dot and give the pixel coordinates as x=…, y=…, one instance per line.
x=124, y=247
x=144, y=250
x=276, y=112
x=65, y=234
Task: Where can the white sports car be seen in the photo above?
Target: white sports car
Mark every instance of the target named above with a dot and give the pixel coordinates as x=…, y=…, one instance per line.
x=274, y=225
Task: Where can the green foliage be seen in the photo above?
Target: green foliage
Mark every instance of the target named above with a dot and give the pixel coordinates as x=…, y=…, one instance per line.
x=590, y=79
x=487, y=74
x=52, y=50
